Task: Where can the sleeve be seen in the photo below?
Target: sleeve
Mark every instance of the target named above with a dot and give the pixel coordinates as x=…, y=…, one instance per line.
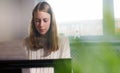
x=65, y=48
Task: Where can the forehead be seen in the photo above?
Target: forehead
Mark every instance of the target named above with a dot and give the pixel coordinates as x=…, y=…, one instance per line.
x=41, y=14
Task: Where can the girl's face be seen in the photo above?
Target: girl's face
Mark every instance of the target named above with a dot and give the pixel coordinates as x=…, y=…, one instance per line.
x=42, y=22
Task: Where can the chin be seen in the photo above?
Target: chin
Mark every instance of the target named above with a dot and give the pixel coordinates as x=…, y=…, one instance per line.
x=42, y=33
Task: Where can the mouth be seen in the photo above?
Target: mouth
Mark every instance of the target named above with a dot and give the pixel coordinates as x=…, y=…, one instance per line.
x=42, y=30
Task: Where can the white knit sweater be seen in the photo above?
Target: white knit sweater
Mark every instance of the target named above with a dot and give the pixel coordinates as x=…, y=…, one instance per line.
x=63, y=52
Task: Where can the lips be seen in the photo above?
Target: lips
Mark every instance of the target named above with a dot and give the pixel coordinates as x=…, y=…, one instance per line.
x=42, y=30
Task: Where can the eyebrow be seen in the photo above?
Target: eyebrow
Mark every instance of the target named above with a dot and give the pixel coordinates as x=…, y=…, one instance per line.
x=43, y=18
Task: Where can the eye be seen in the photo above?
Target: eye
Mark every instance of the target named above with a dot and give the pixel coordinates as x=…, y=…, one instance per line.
x=45, y=20
x=37, y=21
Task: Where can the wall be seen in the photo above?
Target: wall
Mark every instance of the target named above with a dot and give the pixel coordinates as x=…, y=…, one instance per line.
x=14, y=18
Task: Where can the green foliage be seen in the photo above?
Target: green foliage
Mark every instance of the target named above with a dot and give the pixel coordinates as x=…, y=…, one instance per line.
x=62, y=66
x=94, y=58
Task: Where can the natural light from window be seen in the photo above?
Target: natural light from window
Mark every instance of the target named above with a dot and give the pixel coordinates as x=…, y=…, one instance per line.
x=76, y=10
x=117, y=15
x=78, y=17
x=117, y=8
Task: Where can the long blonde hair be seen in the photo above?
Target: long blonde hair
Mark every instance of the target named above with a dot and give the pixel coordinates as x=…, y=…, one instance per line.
x=52, y=36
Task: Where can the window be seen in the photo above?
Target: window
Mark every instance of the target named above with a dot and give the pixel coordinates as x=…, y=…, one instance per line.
x=117, y=9
x=81, y=17
x=117, y=15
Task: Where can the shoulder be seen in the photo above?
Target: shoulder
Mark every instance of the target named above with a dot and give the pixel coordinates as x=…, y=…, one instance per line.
x=63, y=41
x=61, y=37
x=26, y=41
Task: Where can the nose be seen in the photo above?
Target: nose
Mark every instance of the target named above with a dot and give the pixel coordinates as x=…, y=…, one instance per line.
x=41, y=24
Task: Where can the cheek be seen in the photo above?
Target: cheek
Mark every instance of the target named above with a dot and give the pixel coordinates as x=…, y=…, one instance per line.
x=48, y=25
x=36, y=26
